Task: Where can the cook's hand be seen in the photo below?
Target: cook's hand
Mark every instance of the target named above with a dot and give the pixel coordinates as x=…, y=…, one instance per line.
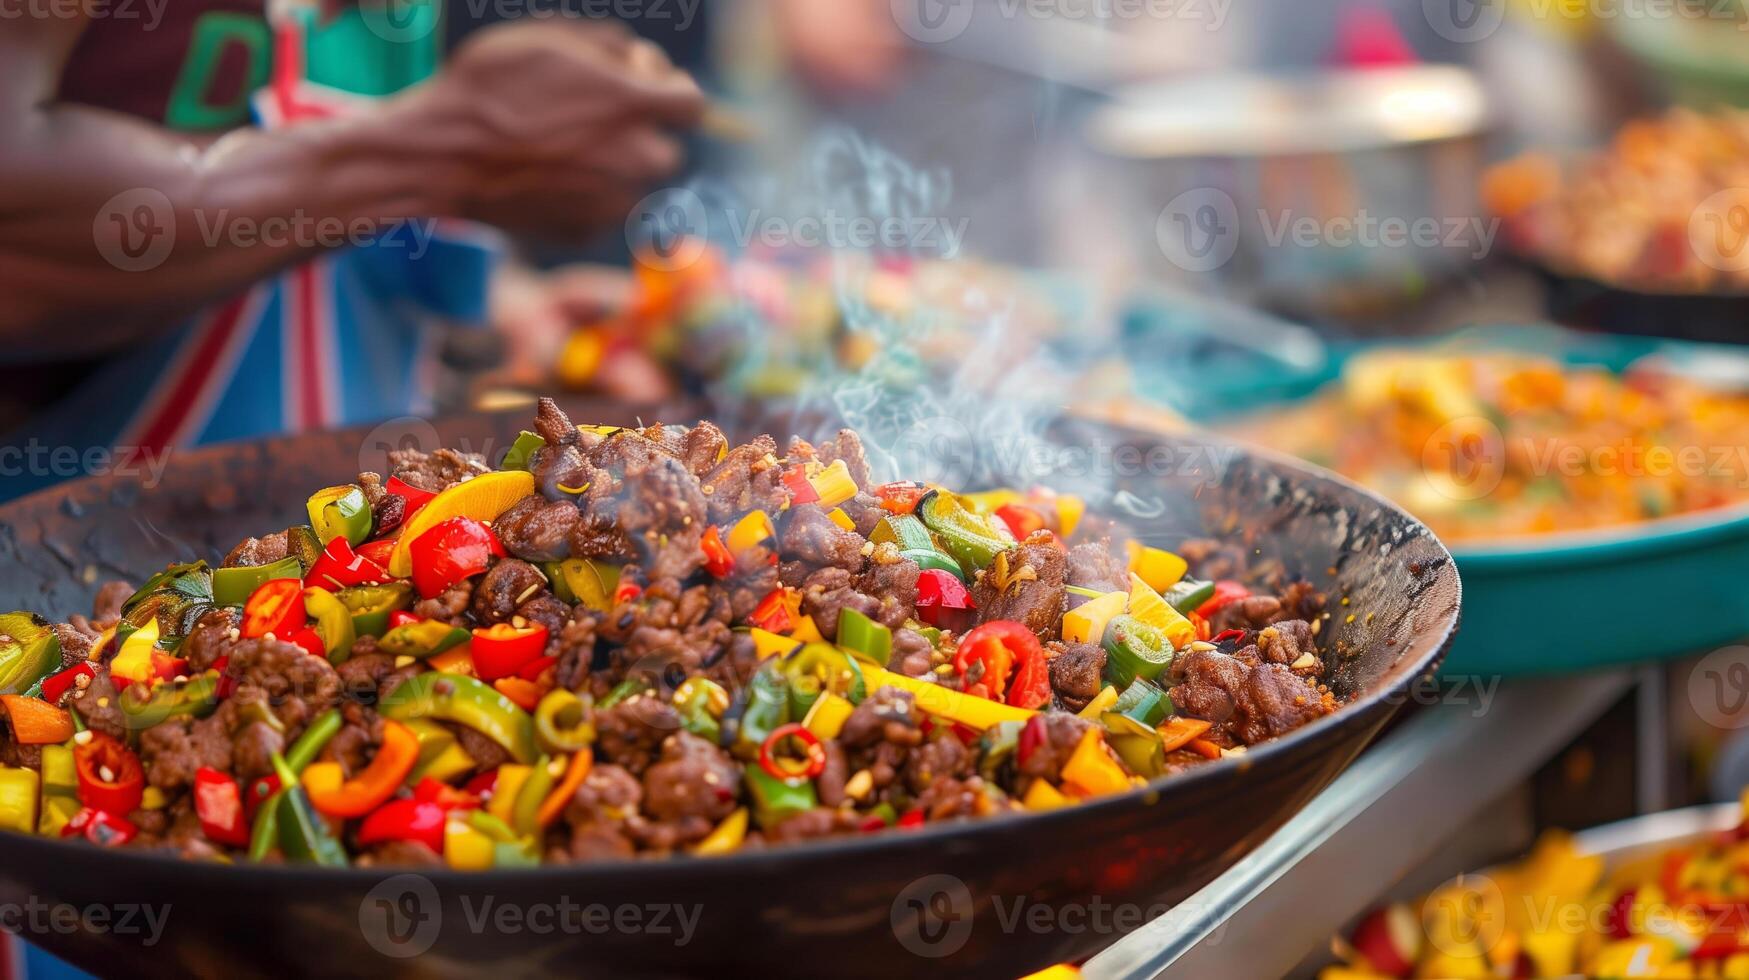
x=558, y=127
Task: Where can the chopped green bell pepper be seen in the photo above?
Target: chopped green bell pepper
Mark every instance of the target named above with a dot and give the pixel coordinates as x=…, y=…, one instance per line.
x=60, y=785
x=776, y=800
x=904, y=530
x=144, y=706
x=29, y=651
x=303, y=834
x=465, y=701
x=303, y=544
x=767, y=710
x=1145, y=702
x=424, y=639
x=1142, y=753
x=314, y=739
x=234, y=586
x=372, y=604
x=621, y=691
x=1188, y=594
x=522, y=451
x=860, y=634
x=1135, y=649
x=340, y=512
x=927, y=558
x=971, y=538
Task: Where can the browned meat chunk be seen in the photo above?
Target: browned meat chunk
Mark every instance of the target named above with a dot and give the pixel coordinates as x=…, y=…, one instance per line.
x=747, y=479
x=1077, y=674
x=1250, y=703
x=539, y=529
x=508, y=584
x=435, y=471
x=810, y=537
x=1024, y=584
x=1093, y=566
x=259, y=551
x=695, y=783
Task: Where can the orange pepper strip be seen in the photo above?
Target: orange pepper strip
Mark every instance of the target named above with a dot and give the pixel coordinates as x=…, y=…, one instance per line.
x=526, y=694
x=1205, y=748
x=1179, y=732
x=36, y=722
x=555, y=803
x=337, y=796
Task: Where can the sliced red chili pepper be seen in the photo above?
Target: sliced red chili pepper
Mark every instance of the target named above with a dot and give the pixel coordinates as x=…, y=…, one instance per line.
x=451, y=551
x=627, y=590
x=901, y=497
x=1031, y=687
x=1225, y=635
x=1226, y=593
x=816, y=753
x=110, y=776
x=339, y=567
x=989, y=654
x=717, y=559
x=218, y=803
x=773, y=613
x=943, y=600
x=57, y=685
x=277, y=607
x=1021, y=520
x=801, y=491
x=100, y=827
x=405, y=820
x=502, y=650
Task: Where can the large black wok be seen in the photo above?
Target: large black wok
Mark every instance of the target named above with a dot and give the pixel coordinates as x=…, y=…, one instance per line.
x=994, y=898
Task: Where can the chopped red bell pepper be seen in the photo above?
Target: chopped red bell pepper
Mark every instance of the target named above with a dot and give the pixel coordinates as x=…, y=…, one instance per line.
x=378, y=553
x=533, y=670
x=717, y=559
x=405, y=820
x=218, y=803
x=402, y=617
x=503, y=650
x=311, y=641
x=901, y=497
x=943, y=600
x=1021, y=520
x=444, y=795
x=100, y=827
x=339, y=567
x=415, y=497
x=773, y=614
x=57, y=685
x=1031, y=737
x=482, y=786
x=334, y=794
x=110, y=776
x=1226, y=593
x=277, y=607
x=453, y=550
x=1031, y=687
x=260, y=791
x=912, y=818
x=993, y=651
x=801, y=490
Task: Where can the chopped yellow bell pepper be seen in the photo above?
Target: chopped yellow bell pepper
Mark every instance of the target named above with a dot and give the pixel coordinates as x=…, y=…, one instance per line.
x=1092, y=770
x=840, y=518
x=1086, y=622
x=511, y=776
x=750, y=531
x=769, y=644
x=807, y=631
x=1149, y=607
x=1160, y=569
x=134, y=662
x=1070, y=509
x=833, y=484
x=1100, y=704
x=967, y=709
x=727, y=837
x=466, y=849
x=1041, y=795
x=828, y=715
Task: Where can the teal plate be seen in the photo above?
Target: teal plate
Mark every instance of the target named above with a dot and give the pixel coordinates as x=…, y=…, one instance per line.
x=1552, y=604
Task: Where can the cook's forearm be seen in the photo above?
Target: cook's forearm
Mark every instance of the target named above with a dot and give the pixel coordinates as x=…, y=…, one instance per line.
x=115, y=226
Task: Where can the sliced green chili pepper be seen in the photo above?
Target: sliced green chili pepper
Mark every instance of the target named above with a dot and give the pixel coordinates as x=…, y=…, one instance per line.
x=371, y=605
x=303, y=834
x=465, y=701
x=524, y=813
x=190, y=580
x=522, y=451
x=426, y=638
x=624, y=689
x=775, y=800
x=1188, y=594
x=562, y=722
x=29, y=651
x=1134, y=650
x=837, y=671
x=930, y=558
x=314, y=739
x=144, y=706
x=340, y=512
x=860, y=634
x=696, y=715
x=1143, y=754
x=971, y=538
x=234, y=586
x=333, y=623
x=904, y=530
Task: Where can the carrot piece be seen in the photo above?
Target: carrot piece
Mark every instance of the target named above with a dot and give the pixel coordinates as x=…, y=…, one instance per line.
x=1205, y=748
x=37, y=722
x=561, y=795
x=1180, y=731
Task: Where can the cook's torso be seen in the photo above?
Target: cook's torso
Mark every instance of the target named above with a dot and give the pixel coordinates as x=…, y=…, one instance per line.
x=192, y=70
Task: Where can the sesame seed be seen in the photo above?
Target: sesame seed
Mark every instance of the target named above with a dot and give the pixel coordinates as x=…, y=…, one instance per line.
x=106, y=773
x=944, y=670
x=82, y=738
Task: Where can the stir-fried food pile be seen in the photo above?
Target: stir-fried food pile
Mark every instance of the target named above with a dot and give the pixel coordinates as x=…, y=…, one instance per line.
x=1680, y=912
x=644, y=641
x=1502, y=445
x=1661, y=208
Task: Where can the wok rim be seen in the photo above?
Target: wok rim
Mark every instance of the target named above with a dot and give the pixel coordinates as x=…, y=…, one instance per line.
x=943, y=835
